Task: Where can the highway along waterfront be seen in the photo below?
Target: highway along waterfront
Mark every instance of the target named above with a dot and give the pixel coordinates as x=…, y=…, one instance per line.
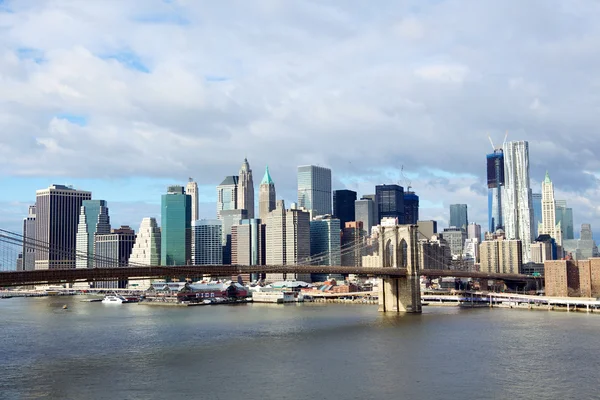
x=292, y=351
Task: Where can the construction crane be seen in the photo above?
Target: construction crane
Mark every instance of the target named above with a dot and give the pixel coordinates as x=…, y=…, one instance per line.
x=406, y=182
x=494, y=147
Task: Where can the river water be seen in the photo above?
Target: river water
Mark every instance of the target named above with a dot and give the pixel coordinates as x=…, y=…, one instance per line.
x=305, y=351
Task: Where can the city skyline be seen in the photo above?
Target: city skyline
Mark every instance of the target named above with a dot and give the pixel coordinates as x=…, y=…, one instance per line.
x=103, y=145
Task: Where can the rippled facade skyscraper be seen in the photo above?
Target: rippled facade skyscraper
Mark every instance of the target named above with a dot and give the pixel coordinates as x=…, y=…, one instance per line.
x=517, y=203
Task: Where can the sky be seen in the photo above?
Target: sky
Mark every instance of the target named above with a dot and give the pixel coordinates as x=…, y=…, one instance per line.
x=125, y=97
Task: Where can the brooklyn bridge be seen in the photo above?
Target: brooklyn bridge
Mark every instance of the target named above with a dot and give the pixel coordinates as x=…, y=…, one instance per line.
x=396, y=248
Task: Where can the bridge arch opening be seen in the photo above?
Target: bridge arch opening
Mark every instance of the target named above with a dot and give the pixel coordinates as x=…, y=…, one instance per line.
x=388, y=256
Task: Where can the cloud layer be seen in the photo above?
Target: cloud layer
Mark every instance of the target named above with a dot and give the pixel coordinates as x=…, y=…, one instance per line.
x=170, y=89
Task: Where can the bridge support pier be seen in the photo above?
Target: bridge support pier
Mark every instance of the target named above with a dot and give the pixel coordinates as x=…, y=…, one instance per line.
x=400, y=294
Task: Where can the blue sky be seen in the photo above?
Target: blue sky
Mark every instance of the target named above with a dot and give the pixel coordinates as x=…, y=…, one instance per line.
x=126, y=98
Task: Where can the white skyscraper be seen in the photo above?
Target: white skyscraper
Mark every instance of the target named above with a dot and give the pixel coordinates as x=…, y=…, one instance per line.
x=245, y=191
x=207, y=246
x=517, y=205
x=192, y=190
x=146, y=250
x=548, y=226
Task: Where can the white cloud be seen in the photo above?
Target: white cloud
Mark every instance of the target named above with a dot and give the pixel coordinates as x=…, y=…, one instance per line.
x=177, y=89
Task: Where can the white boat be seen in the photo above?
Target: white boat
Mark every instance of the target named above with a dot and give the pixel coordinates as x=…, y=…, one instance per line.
x=118, y=299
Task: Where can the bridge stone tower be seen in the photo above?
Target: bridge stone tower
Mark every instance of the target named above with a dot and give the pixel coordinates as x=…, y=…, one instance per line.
x=398, y=248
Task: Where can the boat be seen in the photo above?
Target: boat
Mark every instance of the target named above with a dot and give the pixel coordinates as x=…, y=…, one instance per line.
x=118, y=299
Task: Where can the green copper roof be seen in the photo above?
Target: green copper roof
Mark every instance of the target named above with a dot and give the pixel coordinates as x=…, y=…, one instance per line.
x=267, y=178
x=547, y=178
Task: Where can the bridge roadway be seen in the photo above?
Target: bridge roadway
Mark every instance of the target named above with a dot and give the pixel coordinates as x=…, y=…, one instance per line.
x=49, y=276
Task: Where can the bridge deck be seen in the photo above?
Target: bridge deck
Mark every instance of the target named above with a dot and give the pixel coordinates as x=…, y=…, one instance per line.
x=17, y=278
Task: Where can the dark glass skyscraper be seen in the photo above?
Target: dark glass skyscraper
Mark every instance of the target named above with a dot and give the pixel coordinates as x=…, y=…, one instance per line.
x=458, y=216
x=343, y=206
x=390, y=202
x=411, y=208
x=495, y=181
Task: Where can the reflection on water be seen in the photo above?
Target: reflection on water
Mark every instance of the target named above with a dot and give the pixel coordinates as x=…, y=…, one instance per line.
x=316, y=351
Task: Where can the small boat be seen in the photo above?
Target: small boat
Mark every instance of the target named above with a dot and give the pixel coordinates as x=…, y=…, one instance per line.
x=118, y=299
x=65, y=307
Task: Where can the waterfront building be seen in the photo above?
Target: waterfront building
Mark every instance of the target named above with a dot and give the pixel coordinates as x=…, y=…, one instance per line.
x=266, y=196
x=426, y=229
x=248, y=239
x=176, y=235
x=207, y=248
x=411, y=207
x=456, y=239
x=57, y=214
x=536, y=203
x=113, y=250
x=390, y=202
x=495, y=181
x=28, y=251
x=145, y=251
x=227, y=195
x=93, y=220
x=458, y=216
x=230, y=218
x=564, y=215
x=500, y=255
x=325, y=241
x=344, y=205
x=364, y=212
x=245, y=189
x=569, y=278
x=353, y=241
x=517, y=202
x=314, y=189
x=548, y=226
x=191, y=189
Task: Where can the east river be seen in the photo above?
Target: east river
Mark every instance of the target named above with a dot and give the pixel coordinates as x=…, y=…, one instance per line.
x=307, y=351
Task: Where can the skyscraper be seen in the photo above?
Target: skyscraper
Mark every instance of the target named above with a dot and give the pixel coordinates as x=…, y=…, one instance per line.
x=266, y=196
x=353, y=240
x=325, y=241
x=474, y=231
x=517, y=202
x=288, y=240
x=245, y=191
x=411, y=207
x=314, y=189
x=495, y=181
x=206, y=247
x=230, y=218
x=564, y=215
x=343, y=205
x=93, y=220
x=536, y=203
x=364, y=213
x=57, y=214
x=248, y=243
x=376, y=219
x=390, y=202
x=113, y=250
x=29, y=240
x=548, y=226
x=459, y=217
x=227, y=195
x=146, y=250
x=191, y=189
x=176, y=235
